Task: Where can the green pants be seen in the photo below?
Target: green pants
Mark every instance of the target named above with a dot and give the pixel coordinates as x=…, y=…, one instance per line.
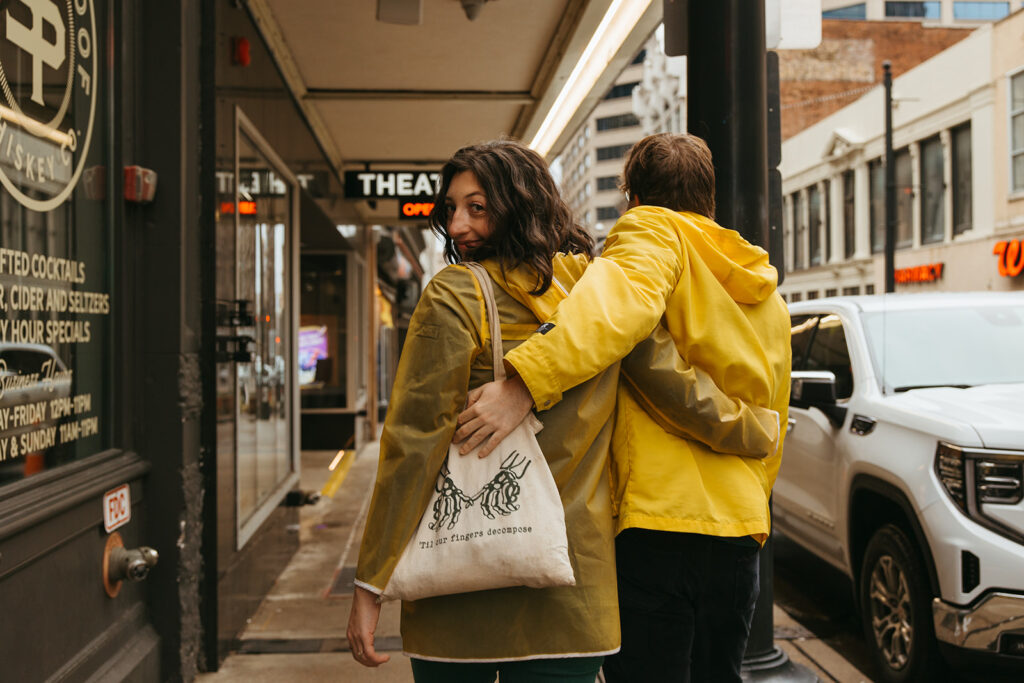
x=567, y=670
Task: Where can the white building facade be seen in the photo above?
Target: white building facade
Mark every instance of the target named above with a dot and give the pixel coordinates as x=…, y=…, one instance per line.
x=592, y=162
x=958, y=136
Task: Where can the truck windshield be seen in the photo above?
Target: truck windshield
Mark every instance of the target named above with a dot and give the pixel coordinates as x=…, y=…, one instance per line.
x=961, y=346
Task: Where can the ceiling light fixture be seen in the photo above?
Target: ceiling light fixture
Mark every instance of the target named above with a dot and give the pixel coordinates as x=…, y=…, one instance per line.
x=615, y=27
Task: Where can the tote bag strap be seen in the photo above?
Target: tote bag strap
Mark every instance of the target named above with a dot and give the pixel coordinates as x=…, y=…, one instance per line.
x=481, y=275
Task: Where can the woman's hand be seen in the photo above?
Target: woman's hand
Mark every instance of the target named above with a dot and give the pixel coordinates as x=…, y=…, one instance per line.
x=362, y=622
x=493, y=411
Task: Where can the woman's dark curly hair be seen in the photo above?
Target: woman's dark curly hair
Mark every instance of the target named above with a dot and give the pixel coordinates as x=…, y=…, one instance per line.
x=530, y=222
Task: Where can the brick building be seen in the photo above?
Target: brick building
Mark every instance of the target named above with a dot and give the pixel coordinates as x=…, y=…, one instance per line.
x=959, y=173
x=848, y=63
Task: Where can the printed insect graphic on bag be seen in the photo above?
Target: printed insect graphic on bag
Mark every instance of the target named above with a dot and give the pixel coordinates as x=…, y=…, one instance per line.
x=499, y=495
x=448, y=506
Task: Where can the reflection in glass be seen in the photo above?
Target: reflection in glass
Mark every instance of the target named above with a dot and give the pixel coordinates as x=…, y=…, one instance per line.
x=323, y=337
x=263, y=458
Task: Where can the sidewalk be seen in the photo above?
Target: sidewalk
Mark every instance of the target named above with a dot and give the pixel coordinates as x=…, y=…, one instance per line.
x=298, y=633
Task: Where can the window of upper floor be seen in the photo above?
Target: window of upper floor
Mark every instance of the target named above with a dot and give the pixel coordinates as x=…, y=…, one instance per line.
x=627, y=120
x=980, y=11
x=612, y=152
x=915, y=10
x=1017, y=131
x=855, y=11
x=621, y=90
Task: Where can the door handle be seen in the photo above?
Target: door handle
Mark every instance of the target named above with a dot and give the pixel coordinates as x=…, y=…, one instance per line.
x=234, y=348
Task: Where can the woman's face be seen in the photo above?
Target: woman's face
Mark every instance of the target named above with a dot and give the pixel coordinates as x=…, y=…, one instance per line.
x=469, y=225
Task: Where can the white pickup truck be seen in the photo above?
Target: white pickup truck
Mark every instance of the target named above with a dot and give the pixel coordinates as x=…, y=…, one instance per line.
x=904, y=467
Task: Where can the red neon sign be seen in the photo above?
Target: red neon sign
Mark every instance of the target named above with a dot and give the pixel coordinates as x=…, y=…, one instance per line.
x=926, y=273
x=1011, y=257
x=417, y=209
x=244, y=208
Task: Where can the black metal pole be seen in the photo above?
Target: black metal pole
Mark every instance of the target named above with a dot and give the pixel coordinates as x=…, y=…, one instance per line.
x=727, y=106
x=890, y=184
x=776, y=238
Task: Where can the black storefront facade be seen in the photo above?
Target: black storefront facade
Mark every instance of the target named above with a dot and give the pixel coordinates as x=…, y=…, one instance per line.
x=179, y=318
x=164, y=255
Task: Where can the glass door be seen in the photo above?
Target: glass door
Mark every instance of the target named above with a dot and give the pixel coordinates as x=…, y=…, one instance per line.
x=262, y=341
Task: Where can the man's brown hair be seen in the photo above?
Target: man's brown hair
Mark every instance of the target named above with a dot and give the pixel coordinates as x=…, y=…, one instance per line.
x=672, y=170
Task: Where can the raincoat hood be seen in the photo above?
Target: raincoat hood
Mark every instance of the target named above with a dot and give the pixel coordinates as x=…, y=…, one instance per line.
x=741, y=267
x=518, y=282
x=715, y=295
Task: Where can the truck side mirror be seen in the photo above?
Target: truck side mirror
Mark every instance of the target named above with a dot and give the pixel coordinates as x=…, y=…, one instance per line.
x=817, y=389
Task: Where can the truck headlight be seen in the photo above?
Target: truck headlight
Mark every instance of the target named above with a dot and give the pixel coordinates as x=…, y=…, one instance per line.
x=972, y=477
x=949, y=466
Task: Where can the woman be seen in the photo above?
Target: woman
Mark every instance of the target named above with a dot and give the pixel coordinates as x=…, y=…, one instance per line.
x=497, y=205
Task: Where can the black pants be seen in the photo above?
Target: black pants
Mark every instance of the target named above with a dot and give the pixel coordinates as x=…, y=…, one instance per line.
x=685, y=603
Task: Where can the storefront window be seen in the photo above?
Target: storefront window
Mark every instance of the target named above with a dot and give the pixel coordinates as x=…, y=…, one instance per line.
x=57, y=289
x=255, y=329
x=264, y=453
x=323, y=331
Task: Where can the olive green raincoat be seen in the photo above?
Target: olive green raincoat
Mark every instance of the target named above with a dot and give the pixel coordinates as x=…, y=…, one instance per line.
x=446, y=352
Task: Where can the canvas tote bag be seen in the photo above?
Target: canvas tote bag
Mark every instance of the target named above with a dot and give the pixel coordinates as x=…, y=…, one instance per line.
x=492, y=522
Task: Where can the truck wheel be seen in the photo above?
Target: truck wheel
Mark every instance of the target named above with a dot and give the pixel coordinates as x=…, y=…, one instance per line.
x=896, y=610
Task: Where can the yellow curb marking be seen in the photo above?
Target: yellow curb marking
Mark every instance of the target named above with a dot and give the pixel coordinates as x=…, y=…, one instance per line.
x=338, y=476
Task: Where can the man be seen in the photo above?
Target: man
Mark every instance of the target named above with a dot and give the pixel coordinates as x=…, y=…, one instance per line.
x=689, y=520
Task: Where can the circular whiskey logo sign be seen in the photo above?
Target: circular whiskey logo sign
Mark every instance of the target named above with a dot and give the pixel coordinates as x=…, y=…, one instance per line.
x=47, y=97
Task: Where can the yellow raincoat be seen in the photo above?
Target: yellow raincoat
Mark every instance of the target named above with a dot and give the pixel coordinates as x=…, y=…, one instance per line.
x=716, y=295
x=446, y=352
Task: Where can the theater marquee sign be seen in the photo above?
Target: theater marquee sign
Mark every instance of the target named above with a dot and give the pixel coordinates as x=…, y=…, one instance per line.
x=48, y=104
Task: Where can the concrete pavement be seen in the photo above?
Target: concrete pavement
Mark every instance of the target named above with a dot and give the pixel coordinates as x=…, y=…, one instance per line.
x=298, y=633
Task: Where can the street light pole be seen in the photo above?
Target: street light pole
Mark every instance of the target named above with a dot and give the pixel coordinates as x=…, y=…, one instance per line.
x=890, y=184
